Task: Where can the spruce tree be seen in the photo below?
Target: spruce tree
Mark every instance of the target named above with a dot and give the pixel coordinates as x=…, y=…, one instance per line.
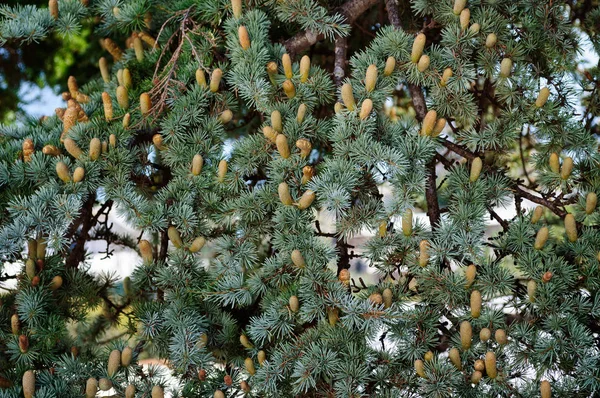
x=222, y=131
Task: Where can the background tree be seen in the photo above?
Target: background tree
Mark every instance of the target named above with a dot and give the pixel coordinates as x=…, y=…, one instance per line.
x=220, y=130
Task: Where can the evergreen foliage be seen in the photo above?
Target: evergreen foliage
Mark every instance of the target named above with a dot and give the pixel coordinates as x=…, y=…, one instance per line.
x=224, y=145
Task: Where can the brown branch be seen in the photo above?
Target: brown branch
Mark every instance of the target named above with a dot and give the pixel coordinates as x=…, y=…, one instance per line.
x=392, y=11
x=85, y=219
x=339, y=70
x=351, y=10
x=433, y=207
x=418, y=100
x=495, y=216
x=541, y=201
x=458, y=149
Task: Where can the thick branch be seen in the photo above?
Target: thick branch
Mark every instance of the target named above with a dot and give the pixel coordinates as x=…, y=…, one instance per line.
x=418, y=100
x=351, y=10
x=339, y=70
x=87, y=222
x=540, y=201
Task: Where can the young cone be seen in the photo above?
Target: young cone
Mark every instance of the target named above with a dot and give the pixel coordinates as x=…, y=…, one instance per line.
x=127, y=80
x=541, y=238
x=294, y=303
x=475, y=303
x=454, y=356
x=28, y=384
x=197, y=163
x=306, y=199
x=282, y=146
x=485, y=334
x=531, y=288
x=145, y=103
x=244, y=37
x=305, y=147
x=262, y=357
x=236, y=8
x=126, y=356
x=490, y=365
x=226, y=116
x=590, y=202
x=439, y=127
x=366, y=108
x=286, y=61
x=388, y=297
x=428, y=123
x=157, y=392
x=423, y=63
x=417, y=48
x=542, y=97
x=371, y=78
x=15, y=324
x=420, y=368
x=348, y=97
x=72, y=147
x=114, y=361
x=571, y=227
x=222, y=170
x=249, y=364
x=390, y=66
x=545, y=389
x=276, y=121
x=122, y=97
x=459, y=5
x=304, y=68
x=301, y=113
x=130, y=391
x=470, y=274
x=501, y=337
x=476, y=167
x=490, y=40
x=95, y=148
x=476, y=377
x=146, y=251
x=466, y=334
x=407, y=222
x=108, y=107
x=554, y=162
x=567, y=168
x=105, y=384
x=270, y=133
x=505, y=67
x=50, y=150
x=200, y=77
x=537, y=214
x=215, y=80
x=91, y=387
x=289, y=89
x=197, y=244
x=465, y=16
x=423, y=253
x=62, y=170
x=296, y=255
x=174, y=236
x=138, y=47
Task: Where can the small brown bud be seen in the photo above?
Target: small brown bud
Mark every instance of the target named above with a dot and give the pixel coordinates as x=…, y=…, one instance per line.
x=23, y=343
x=202, y=374
x=227, y=380
x=547, y=277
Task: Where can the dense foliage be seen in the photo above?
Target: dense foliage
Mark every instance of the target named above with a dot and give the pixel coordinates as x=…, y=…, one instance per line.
x=224, y=131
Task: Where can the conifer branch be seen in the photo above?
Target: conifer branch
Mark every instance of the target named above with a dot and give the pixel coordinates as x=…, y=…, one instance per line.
x=351, y=10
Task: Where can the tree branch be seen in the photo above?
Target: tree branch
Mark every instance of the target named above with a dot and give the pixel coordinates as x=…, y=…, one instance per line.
x=339, y=70
x=351, y=10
